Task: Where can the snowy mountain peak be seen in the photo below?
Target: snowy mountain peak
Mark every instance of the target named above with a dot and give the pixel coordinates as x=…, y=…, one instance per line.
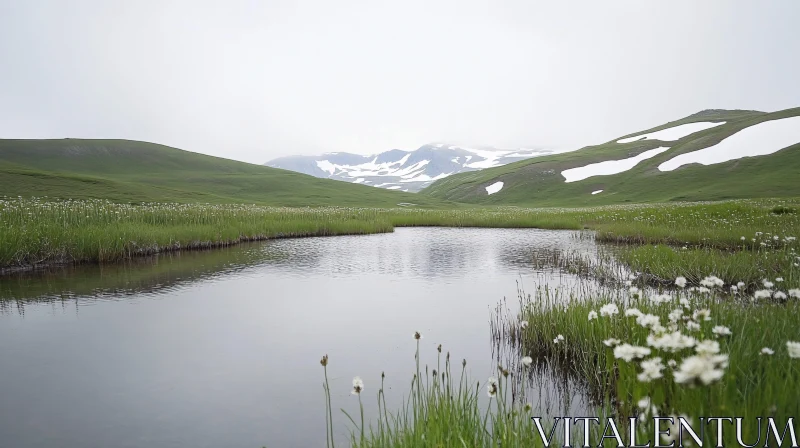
x=397, y=169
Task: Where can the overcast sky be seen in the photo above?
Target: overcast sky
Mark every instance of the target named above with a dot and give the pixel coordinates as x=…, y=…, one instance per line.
x=253, y=80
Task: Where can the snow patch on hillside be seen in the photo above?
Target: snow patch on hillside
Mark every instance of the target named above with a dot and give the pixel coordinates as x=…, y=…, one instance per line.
x=597, y=191
x=758, y=140
x=673, y=133
x=494, y=188
x=609, y=166
x=326, y=166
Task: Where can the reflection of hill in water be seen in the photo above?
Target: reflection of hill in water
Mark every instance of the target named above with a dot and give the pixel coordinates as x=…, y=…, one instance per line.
x=144, y=275
x=429, y=253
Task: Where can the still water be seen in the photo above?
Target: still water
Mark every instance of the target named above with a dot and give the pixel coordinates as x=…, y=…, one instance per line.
x=221, y=348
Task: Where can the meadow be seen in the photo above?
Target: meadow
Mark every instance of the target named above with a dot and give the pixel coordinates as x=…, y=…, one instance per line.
x=700, y=318
x=702, y=236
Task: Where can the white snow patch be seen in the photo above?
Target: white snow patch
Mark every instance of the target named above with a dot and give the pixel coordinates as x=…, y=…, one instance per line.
x=326, y=166
x=758, y=140
x=490, y=157
x=359, y=180
x=394, y=187
x=403, y=161
x=597, y=191
x=411, y=169
x=527, y=154
x=439, y=145
x=609, y=166
x=494, y=188
x=673, y=133
x=426, y=178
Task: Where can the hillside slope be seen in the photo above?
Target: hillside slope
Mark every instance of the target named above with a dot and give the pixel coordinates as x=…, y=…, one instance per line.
x=403, y=170
x=133, y=171
x=575, y=178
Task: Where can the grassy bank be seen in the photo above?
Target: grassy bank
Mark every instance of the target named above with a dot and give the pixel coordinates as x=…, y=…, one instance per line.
x=38, y=231
x=688, y=364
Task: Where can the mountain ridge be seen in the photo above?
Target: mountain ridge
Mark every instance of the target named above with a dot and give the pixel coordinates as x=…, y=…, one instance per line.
x=397, y=169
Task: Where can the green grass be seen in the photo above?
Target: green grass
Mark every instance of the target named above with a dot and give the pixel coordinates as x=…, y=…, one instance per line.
x=753, y=385
x=538, y=181
x=441, y=410
x=43, y=231
x=138, y=172
x=666, y=263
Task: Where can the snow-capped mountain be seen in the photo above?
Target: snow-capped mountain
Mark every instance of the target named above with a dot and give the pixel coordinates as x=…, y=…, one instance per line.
x=403, y=170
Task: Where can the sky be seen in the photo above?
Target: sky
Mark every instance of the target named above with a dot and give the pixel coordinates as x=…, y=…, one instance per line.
x=255, y=80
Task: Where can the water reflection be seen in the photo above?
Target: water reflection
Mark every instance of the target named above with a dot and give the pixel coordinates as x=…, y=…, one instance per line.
x=222, y=347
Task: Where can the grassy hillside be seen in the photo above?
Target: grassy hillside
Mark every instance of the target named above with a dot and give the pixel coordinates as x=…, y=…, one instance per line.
x=131, y=171
x=538, y=181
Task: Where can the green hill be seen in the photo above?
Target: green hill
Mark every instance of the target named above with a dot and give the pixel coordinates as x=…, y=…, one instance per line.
x=132, y=171
x=539, y=182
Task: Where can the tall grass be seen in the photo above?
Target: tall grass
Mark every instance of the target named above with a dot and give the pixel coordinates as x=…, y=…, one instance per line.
x=753, y=385
x=40, y=231
x=443, y=410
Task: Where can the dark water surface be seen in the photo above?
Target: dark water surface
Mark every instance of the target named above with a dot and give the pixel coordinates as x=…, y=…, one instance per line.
x=221, y=348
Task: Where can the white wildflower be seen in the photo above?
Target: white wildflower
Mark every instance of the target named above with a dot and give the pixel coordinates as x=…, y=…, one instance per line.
x=558, y=339
x=705, y=314
x=780, y=295
x=592, y=315
x=630, y=352
x=793, y=348
x=720, y=330
x=491, y=387
x=779, y=280
x=611, y=342
x=685, y=303
x=767, y=284
x=794, y=293
x=358, y=385
x=648, y=320
x=527, y=361
x=648, y=408
x=712, y=281
x=672, y=363
x=707, y=347
x=651, y=370
x=741, y=285
x=675, y=315
x=762, y=294
x=671, y=342
x=692, y=326
x=767, y=351
x=634, y=291
x=662, y=298
x=609, y=310
x=705, y=369
x=523, y=324
x=633, y=312
x=680, y=282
